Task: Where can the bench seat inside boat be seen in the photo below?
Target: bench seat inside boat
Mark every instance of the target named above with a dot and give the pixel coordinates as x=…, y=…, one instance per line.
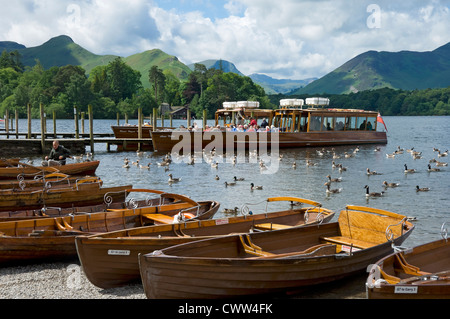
x=270, y=226
x=160, y=218
x=348, y=241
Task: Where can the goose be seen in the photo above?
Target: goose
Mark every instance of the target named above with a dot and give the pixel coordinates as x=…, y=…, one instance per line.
x=369, y=172
x=145, y=166
x=386, y=184
x=332, y=190
x=390, y=155
x=430, y=169
x=294, y=165
x=126, y=165
x=136, y=163
x=408, y=171
x=342, y=168
x=423, y=189
x=339, y=179
x=373, y=194
x=78, y=158
x=377, y=149
x=238, y=179
x=347, y=155
x=435, y=149
x=231, y=210
x=229, y=184
x=215, y=165
x=442, y=154
x=441, y=164
x=356, y=150
x=309, y=163
x=163, y=163
x=252, y=186
x=335, y=156
x=410, y=150
x=173, y=179
x=217, y=177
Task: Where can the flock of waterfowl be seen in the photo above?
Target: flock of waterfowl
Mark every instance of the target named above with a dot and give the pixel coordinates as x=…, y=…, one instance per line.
x=213, y=160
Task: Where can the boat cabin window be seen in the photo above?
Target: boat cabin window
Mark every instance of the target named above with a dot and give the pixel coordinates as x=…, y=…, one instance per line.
x=301, y=122
x=328, y=121
x=371, y=124
x=315, y=123
x=361, y=123
x=339, y=123
x=350, y=123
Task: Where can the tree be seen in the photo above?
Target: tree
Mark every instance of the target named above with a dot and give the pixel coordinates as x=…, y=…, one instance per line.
x=123, y=80
x=157, y=80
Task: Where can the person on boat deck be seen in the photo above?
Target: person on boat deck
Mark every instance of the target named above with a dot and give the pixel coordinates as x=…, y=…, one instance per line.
x=57, y=155
x=264, y=123
x=369, y=126
x=363, y=125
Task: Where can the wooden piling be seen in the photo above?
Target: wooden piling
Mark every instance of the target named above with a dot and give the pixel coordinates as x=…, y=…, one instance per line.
x=77, y=129
x=139, y=127
x=188, y=117
x=91, y=129
x=54, y=124
x=82, y=122
x=29, y=120
x=154, y=118
x=17, y=123
x=205, y=112
x=7, y=123
x=41, y=109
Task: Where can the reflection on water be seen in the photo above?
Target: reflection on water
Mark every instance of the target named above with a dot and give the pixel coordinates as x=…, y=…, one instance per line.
x=199, y=182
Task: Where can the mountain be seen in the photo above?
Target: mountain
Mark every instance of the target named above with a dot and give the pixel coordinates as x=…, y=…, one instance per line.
x=61, y=51
x=10, y=46
x=145, y=60
x=407, y=70
x=270, y=85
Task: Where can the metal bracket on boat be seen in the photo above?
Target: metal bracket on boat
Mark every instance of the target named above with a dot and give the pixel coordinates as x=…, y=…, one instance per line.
x=131, y=203
x=389, y=233
x=107, y=198
x=444, y=232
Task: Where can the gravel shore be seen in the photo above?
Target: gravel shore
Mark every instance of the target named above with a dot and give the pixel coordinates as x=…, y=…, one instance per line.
x=66, y=280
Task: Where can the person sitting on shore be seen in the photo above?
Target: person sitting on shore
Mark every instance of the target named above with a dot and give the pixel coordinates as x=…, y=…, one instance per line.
x=57, y=155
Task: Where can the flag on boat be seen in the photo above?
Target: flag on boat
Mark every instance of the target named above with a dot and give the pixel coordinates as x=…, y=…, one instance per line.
x=380, y=120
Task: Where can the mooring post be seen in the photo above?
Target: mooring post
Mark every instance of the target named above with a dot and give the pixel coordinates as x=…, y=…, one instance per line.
x=171, y=119
x=139, y=127
x=75, y=115
x=188, y=117
x=126, y=118
x=155, y=110
x=205, y=112
x=82, y=122
x=91, y=129
x=17, y=123
x=41, y=109
x=54, y=124
x=29, y=120
x=7, y=123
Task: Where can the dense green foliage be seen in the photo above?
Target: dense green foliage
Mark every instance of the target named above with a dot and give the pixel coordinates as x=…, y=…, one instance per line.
x=116, y=88
x=388, y=101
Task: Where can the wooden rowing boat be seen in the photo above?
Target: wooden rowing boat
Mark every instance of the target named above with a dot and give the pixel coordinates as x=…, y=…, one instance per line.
x=85, y=191
x=111, y=259
x=30, y=171
x=53, y=179
x=47, y=239
x=9, y=162
x=275, y=261
x=422, y=272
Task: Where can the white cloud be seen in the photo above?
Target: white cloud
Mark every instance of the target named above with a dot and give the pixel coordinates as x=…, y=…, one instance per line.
x=284, y=39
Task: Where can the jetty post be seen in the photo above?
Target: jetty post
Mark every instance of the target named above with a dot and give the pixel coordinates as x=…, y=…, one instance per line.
x=154, y=118
x=29, y=120
x=54, y=124
x=82, y=122
x=91, y=129
x=188, y=117
x=17, y=123
x=139, y=127
x=205, y=113
x=75, y=115
x=7, y=123
x=41, y=110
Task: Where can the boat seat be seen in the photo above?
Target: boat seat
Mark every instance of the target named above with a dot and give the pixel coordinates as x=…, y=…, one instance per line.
x=270, y=226
x=348, y=241
x=314, y=251
x=160, y=218
x=251, y=248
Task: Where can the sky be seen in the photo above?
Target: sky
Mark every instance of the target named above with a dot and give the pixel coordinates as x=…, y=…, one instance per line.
x=284, y=39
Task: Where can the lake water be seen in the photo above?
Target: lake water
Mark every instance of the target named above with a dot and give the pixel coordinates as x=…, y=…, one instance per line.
x=431, y=209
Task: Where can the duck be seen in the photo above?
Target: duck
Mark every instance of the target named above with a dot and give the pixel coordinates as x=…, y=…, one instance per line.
x=339, y=179
x=377, y=149
x=231, y=210
x=252, y=186
x=163, y=163
x=309, y=163
x=145, y=166
x=430, y=169
x=332, y=190
x=126, y=165
x=386, y=184
x=373, y=194
x=173, y=179
x=423, y=189
x=217, y=177
x=294, y=165
x=335, y=156
x=215, y=165
x=135, y=163
x=347, y=155
x=369, y=172
x=238, y=179
x=390, y=155
x=229, y=184
x=408, y=171
x=356, y=150
x=342, y=168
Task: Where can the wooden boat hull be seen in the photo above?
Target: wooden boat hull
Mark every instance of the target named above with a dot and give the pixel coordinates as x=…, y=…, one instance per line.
x=83, y=194
x=290, y=258
x=432, y=258
x=111, y=260
x=165, y=141
x=84, y=168
x=51, y=239
x=131, y=131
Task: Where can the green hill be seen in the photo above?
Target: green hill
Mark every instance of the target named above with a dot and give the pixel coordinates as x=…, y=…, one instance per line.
x=61, y=51
x=407, y=70
x=145, y=60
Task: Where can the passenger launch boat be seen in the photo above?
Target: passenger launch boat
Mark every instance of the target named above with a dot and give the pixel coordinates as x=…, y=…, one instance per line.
x=290, y=126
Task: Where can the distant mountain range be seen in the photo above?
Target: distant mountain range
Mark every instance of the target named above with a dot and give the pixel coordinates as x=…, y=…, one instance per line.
x=406, y=70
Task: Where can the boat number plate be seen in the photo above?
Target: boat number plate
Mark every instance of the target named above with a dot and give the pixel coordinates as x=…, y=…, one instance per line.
x=222, y=221
x=118, y=252
x=405, y=290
